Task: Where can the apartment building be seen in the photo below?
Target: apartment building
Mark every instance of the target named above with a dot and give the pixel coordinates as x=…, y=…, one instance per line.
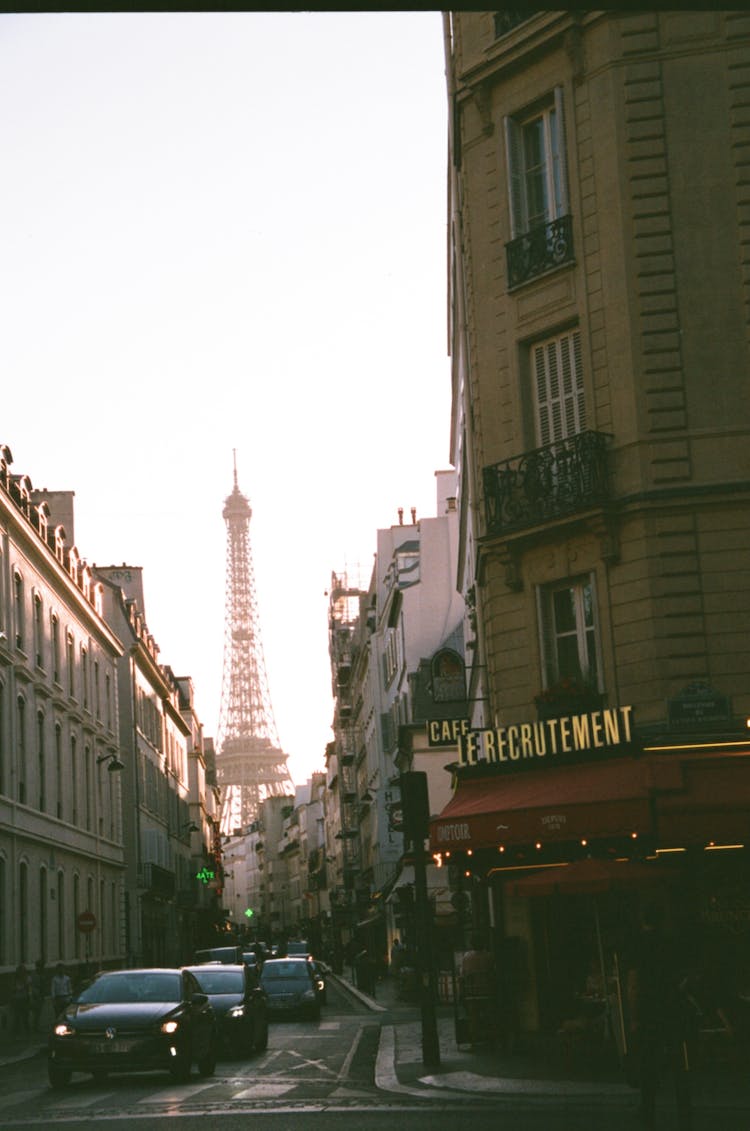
x=599, y=330
x=61, y=833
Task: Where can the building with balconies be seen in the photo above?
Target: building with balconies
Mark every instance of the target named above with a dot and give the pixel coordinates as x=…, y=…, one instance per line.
x=61, y=831
x=599, y=295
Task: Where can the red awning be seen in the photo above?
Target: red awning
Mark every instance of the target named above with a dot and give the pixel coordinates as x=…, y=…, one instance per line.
x=602, y=799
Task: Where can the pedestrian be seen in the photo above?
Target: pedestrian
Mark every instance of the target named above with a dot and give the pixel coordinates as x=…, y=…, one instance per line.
x=61, y=989
x=38, y=980
x=20, y=1000
x=658, y=1020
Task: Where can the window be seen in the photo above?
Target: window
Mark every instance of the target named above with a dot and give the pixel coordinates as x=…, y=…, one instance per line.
x=18, y=608
x=21, y=740
x=23, y=912
x=70, y=654
x=569, y=633
x=38, y=631
x=74, y=780
x=41, y=761
x=536, y=166
x=55, y=632
x=560, y=409
x=58, y=771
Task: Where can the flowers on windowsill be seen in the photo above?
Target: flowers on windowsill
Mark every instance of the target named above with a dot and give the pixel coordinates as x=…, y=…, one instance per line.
x=568, y=696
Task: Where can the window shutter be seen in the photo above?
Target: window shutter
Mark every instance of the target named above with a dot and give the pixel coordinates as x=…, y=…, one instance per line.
x=514, y=165
x=558, y=383
x=559, y=169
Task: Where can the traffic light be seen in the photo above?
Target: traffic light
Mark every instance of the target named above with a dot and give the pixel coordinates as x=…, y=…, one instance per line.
x=415, y=806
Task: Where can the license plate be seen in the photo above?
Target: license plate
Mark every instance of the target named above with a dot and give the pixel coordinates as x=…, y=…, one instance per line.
x=111, y=1048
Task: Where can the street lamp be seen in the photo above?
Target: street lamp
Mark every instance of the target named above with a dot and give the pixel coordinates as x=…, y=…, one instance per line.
x=114, y=765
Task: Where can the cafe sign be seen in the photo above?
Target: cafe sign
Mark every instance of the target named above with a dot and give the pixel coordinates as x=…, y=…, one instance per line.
x=567, y=738
x=446, y=732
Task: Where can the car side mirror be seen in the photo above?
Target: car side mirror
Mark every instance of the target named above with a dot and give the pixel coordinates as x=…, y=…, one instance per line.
x=199, y=999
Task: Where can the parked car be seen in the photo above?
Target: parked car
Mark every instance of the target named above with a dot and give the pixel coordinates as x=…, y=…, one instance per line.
x=298, y=948
x=239, y=1003
x=130, y=1020
x=290, y=986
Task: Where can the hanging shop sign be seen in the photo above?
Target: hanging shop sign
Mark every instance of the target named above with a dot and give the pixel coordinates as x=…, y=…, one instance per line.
x=446, y=732
x=568, y=738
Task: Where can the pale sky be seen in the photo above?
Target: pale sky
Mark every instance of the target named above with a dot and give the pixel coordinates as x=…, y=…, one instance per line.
x=227, y=231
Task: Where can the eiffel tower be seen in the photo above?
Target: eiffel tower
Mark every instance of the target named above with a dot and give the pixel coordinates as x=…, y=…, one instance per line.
x=249, y=762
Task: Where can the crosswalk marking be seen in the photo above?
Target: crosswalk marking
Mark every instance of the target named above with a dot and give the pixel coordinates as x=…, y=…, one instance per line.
x=263, y=1091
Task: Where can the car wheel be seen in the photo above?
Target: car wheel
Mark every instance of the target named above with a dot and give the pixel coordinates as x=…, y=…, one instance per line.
x=261, y=1037
x=207, y=1063
x=58, y=1076
x=180, y=1067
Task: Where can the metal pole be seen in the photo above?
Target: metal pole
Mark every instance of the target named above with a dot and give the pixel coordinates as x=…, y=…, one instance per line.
x=425, y=963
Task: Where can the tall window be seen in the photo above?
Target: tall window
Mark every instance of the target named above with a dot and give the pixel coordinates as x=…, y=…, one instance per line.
x=43, y=918
x=70, y=655
x=41, y=761
x=87, y=786
x=38, y=631
x=23, y=912
x=536, y=165
x=18, y=608
x=58, y=771
x=60, y=915
x=569, y=632
x=55, y=633
x=560, y=409
x=22, y=748
x=76, y=913
x=85, y=676
x=74, y=780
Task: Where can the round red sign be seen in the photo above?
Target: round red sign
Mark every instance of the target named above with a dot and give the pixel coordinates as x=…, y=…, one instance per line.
x=86, y=921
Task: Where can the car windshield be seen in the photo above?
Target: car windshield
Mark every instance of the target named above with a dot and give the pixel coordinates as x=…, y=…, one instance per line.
x=129, y=987
x=214, y=980
x=277, y=970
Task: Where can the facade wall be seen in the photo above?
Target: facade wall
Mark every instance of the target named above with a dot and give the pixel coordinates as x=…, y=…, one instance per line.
x=61, y=843
x=654, y=137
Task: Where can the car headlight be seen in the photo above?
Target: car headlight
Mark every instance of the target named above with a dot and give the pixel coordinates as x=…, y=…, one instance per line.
x=237, y=1011
x=62, y=1029
x=170, y=1026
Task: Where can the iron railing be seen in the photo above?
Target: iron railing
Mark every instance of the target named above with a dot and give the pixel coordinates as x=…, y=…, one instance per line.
x=540, y=250
x=560, y=479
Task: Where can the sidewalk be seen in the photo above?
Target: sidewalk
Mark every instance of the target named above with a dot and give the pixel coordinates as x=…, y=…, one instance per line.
x=529, y=1073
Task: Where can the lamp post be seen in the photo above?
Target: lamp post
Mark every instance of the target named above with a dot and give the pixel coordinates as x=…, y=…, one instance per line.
x=416, y=816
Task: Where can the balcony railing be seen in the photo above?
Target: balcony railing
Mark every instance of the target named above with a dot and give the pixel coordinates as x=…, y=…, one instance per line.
x=540, y=250
x=560, y=479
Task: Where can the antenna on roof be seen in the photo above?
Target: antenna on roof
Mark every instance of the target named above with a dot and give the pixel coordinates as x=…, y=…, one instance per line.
x=234, y=460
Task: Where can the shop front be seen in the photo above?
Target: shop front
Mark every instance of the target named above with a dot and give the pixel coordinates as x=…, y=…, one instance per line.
x=565, y=831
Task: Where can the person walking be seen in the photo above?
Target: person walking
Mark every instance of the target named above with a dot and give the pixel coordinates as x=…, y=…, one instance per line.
x=61, y=989
x=20, y=1000
x=658, y=1020
x=38, y=980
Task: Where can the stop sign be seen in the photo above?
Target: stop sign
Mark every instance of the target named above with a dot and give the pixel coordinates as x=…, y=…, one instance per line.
x=86, y=921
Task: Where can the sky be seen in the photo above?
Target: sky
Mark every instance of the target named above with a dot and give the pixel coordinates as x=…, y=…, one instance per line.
x=226, y=232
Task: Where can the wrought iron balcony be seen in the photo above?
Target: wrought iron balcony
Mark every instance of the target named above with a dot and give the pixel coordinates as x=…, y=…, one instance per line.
x=560, y=479
x=540, y=250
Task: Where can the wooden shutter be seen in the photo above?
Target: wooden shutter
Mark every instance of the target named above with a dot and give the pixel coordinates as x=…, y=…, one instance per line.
x=558, y=386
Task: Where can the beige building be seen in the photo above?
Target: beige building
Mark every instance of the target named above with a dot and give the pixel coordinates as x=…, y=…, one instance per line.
x=61, y=834
x=601, y=212
x=600, y=317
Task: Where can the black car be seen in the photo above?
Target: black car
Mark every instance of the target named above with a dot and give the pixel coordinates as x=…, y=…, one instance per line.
x=290, y=986
x=239, y=1003
x=130, y=1020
